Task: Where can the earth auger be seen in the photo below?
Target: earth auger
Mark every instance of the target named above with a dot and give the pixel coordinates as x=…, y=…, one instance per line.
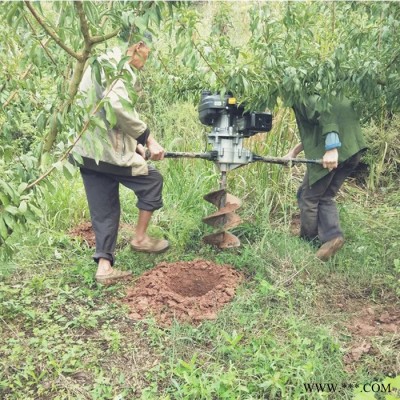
x=231, y=124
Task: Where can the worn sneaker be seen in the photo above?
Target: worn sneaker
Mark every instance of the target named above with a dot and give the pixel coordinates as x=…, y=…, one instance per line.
x=150, y=245
x=329, y=248
x=114, y=277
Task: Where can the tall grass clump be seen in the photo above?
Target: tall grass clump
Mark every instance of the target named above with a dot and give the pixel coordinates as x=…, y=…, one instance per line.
x=383, y=157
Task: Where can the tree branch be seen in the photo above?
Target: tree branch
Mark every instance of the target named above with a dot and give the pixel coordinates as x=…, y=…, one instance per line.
x=15, y=92
x=71, y=147
x=83, y=21
x=103, y=38
x=42, y=44
x=51, y=33
x=90, y=41
x=202, y=55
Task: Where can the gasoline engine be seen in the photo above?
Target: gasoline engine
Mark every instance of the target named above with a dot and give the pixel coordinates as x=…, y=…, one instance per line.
x=231, y=123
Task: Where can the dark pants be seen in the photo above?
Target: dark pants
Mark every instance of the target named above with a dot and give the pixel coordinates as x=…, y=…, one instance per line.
x=318, y=212
x=102, y=192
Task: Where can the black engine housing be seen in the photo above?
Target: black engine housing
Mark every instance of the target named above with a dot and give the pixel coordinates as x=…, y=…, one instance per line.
x=248, y=123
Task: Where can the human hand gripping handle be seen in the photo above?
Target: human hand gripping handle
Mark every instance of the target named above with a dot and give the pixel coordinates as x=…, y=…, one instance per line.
x=330, y=159
x=293, y=153
x=153, y=152
x=156, y=151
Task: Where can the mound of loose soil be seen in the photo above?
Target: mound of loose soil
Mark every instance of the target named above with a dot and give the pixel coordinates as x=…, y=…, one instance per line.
x=84, y=231
x=185, y=291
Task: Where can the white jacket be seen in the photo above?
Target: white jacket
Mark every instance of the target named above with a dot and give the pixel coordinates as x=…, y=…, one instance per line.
x=118, y=153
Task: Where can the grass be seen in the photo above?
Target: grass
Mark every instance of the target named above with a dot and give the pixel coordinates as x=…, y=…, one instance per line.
x=64, y=337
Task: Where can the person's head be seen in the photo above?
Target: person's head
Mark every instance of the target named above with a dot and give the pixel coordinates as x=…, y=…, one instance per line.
x=139, y=53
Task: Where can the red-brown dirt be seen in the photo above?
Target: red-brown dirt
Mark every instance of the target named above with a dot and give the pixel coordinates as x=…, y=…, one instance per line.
x=370, y=322
x=84, y=232
x=184, y=291
x=371, y=326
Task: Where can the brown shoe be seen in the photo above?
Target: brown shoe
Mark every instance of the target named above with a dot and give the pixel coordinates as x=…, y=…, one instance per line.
x=329, y=248
x=150, y=245
x=114, y=277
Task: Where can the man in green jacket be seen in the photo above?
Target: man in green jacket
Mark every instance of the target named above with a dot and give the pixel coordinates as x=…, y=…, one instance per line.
x=121, y=160
x=335, y=136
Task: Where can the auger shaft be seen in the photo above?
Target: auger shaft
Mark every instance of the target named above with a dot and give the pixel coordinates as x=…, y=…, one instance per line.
x=284, y=161
x=213, y=156
x=210, y=155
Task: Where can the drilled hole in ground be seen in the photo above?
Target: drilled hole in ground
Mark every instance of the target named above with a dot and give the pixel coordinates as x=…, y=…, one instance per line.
x=185, y=291
x=193, y=283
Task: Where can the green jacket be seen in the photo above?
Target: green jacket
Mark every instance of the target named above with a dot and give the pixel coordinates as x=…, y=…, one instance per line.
x=117, y=153
x=314, y=126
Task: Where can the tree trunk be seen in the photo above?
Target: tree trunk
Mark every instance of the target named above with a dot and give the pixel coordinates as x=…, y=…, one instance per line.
x=72, y=91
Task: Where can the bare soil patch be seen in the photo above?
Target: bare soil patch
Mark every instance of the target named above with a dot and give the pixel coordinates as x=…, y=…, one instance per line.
x=190, y=292
x=370, y=327
x=368, y=323
x=84, y=232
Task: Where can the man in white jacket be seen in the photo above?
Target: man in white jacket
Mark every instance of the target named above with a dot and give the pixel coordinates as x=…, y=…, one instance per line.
x=122, y=161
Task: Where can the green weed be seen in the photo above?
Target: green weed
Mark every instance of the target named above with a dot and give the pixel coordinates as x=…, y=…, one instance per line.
x=63, y=336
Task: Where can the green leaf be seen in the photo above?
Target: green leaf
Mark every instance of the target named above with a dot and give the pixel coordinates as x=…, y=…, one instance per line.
x=5, y=201
x=58, y=165
x=22, y=187
x=41, y=121
x=68, y=170
x=98, y=149
x=110, y=114
x=12, y=210
x=14, y=11
x=96, y=71
x=122, y=63
x=8, y=189
x=127, y=106
x=9, y=220
x=35, y=210
x=23, y=207
x=99, y=123
x=78, y=158
x=3, y=229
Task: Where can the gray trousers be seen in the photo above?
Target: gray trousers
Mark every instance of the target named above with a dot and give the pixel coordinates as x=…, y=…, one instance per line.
x=318, y=212
x=102, y=192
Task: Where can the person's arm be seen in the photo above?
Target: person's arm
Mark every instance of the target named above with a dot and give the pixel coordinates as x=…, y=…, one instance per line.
x=330, y=159
x=130, y=123
x=293, y=153
x=127, y=120
x=330, y=129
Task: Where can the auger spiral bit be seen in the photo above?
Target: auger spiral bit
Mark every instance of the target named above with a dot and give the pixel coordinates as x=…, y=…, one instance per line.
x=223, y=240
x=224, y=218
